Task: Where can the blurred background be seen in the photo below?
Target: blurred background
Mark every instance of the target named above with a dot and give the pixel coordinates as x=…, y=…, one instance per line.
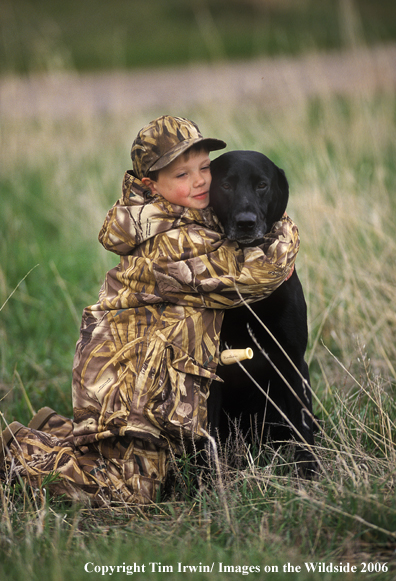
x=50, y=35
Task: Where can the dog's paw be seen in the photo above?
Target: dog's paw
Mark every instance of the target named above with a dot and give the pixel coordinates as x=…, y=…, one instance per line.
x=307, y=466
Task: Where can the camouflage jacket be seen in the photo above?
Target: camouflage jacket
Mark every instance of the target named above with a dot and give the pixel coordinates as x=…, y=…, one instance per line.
x=149, y=348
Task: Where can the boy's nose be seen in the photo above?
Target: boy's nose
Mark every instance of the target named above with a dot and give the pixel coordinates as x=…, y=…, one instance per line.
x=199, y=179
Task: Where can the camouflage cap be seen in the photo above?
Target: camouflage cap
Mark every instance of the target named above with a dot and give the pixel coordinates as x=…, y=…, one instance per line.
x=163, y=140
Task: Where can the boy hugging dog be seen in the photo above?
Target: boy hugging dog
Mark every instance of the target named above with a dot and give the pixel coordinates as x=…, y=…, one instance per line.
x=149, y=348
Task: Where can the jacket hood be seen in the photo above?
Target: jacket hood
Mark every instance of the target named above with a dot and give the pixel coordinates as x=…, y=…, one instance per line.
x=139, y=215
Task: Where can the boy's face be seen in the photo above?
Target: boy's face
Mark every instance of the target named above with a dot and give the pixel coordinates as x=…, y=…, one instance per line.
x=185, y=181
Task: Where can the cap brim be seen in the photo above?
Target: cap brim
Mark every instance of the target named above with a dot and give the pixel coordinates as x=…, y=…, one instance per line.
x=211, y=143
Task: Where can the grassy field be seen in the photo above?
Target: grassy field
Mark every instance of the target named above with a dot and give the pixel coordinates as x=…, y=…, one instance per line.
x=57, y=182
x=50, y=35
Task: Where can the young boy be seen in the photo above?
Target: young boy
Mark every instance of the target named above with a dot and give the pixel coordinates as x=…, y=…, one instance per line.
x=149, y=348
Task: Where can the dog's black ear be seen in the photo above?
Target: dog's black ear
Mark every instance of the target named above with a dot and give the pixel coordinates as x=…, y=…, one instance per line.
x=283, y=187
x=283, y=184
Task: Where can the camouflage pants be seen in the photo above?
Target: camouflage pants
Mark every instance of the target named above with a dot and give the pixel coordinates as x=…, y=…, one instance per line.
x=112, y=470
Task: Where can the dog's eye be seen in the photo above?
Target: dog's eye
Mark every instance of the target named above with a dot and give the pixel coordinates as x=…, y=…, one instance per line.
x=262, y=185
x=226, y=186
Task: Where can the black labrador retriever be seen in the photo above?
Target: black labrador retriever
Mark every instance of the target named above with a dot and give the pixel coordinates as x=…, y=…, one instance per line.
x=249, y=193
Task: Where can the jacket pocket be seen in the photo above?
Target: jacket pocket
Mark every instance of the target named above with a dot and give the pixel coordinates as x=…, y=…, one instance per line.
x=177, y=399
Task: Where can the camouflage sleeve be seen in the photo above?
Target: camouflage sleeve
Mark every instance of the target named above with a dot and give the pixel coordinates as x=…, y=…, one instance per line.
x=226, y=275
x=198, y=267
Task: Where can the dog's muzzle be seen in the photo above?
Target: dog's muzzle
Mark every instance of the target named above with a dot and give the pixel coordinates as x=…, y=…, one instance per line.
x=246, y=228
x=245, y=221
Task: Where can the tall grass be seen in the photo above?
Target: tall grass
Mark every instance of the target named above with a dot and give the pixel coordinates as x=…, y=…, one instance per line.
x=58, y=179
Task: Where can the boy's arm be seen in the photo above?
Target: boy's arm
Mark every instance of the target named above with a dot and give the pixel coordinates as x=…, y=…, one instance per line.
x=198, y=267
x=228, y=274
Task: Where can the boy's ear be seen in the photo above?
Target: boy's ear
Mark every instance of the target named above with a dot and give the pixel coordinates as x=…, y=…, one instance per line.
x=149, y=184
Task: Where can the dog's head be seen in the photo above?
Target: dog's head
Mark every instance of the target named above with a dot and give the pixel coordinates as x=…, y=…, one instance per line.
x=248, y=193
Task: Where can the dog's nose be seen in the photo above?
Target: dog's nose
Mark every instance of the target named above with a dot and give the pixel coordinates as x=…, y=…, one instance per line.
x=246, y=221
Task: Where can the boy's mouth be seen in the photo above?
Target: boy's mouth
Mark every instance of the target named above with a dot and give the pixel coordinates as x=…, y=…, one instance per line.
x=201, y=196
